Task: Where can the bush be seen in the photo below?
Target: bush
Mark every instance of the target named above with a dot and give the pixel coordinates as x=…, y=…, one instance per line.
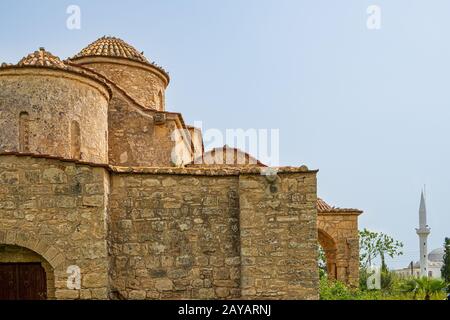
x=334, y=290
x=398, y=289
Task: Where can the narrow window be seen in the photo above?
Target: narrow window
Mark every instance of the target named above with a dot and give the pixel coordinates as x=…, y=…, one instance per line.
x=24, y=132
x=161, y=101
x=75, y=140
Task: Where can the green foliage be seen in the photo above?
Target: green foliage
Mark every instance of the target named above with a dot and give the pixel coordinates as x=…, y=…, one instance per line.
x=334, y=290
x=377, y=244
x=424, y=287
x=387, y=280
x=363, y=276
x=399, y=289
x=446, y=267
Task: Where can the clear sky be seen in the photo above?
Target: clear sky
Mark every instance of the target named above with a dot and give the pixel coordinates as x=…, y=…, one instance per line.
x=369, y=108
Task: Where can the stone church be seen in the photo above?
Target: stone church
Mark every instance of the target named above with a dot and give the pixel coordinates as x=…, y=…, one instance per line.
x=99, y=199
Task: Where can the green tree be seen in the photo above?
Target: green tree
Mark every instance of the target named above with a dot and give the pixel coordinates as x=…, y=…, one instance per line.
x=377, y=244
x=445, y=271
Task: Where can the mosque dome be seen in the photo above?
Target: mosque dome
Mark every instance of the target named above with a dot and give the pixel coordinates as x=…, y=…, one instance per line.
x=111, y=47
x=437, y=255
x=42, y=58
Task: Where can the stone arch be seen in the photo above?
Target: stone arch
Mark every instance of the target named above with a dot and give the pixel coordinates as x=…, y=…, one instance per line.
x=329, y=246
x=342, y=228
x=52, y=255
x=53, y=260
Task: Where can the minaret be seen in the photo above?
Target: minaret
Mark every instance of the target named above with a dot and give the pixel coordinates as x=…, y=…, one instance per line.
x=423, y=233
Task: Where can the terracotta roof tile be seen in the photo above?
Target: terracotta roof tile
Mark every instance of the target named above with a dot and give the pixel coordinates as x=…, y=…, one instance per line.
x=116, y=48
x=111, y=47
x=42, y=58
x=323, y=207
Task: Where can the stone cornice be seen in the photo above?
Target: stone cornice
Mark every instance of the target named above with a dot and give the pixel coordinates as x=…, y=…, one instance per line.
x=203, y=171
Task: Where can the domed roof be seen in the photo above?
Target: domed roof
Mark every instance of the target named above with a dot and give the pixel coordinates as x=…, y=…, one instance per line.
x=437, y=255
x=111, y=47
x=227, y=156
x=42, y=58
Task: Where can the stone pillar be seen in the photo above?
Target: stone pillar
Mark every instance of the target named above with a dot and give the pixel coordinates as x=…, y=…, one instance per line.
x=341, y=269
x=353, y=265
x=330, y=255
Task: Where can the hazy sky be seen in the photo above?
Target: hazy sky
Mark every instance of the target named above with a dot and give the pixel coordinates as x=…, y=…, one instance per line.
x=368, y=108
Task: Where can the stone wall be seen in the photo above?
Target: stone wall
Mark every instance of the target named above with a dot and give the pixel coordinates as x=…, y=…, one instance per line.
x=279, y=237
x=134, y=137
x=57, y=210
x=40, y=108
x=163, y=233
x=213, y=237
x=175, y=236
x=143, y=83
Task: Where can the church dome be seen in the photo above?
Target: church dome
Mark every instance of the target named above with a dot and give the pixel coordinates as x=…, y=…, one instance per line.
x=437, y=255
x=42, y=58
x=111, y=47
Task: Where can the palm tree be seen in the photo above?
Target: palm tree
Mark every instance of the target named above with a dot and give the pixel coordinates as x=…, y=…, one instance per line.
x=424, y=285
x=410, y=286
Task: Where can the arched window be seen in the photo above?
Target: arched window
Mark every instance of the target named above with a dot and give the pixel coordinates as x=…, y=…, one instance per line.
x=24, y=132
x=75, y=140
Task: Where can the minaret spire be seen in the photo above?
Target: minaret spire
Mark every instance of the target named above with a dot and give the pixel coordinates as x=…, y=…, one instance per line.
x=423, y=231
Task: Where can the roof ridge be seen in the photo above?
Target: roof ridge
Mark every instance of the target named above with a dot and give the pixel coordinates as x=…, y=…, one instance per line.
x=322, y=207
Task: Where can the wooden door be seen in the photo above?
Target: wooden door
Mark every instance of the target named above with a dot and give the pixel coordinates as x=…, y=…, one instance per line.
x=22, y=281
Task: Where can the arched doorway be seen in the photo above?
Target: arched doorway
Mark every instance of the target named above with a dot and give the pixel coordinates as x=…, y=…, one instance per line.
x=329, y=248
x=24, y=275
x=338, y=235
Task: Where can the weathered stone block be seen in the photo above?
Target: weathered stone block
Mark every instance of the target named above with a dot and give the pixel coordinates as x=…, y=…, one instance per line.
x=164, y=285
x=93, y=201
x=54, y=175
